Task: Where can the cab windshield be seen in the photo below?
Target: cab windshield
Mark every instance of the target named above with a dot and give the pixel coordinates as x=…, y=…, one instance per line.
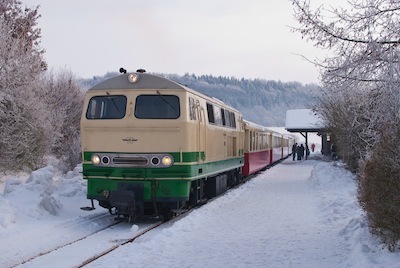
x=157, y=107
x=106, y=107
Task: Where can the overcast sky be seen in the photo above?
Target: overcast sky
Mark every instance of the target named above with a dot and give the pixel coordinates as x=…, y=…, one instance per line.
x=249, y=39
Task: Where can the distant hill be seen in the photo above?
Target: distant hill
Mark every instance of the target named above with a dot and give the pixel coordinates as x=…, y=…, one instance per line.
x=261, y=101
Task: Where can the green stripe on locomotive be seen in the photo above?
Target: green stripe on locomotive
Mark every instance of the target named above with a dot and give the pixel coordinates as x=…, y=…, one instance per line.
x=167, y=190
x=171, y=183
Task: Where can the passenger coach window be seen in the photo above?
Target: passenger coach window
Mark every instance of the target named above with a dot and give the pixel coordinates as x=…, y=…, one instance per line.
x=106, y=107
x=157, y=107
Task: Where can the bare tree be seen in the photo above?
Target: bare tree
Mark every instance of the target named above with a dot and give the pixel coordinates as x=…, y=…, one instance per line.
x=39, y=112
x=22, y=131
x=363, y=65
x=63, y=97
x=21, y=57
x=361, y=98
x=364, y=41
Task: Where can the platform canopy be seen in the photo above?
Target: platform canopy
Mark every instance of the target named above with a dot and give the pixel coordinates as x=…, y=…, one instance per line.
x=303, y=120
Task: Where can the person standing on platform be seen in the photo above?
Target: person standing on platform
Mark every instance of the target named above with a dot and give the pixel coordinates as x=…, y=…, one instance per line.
x=333, y=151
x=294, y=149
x=298, y=153
x=302, y=151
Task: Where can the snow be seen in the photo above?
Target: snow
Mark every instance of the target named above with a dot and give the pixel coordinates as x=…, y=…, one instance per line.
x=302, y=119
x=295, y=214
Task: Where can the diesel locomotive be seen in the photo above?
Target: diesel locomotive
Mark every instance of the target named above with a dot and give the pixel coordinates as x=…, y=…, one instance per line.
x=152, y=146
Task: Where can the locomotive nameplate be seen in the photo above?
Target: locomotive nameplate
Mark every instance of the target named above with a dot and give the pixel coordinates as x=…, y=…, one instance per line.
x=129, y=140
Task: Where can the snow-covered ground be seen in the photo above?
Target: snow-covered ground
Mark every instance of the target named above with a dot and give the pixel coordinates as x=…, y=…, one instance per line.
x=296, y=214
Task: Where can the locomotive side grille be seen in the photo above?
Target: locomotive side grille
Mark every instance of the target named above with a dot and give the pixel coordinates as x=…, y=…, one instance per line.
x=130, y=161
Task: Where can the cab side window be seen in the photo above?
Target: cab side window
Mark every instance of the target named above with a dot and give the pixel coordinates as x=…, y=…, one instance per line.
x=192, y=109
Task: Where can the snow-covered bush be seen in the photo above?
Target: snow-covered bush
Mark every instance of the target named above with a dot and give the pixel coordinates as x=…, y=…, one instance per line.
x=63, y=97
x=22, y=126
x=39, y=113
x=379, y=184
x=347, y=114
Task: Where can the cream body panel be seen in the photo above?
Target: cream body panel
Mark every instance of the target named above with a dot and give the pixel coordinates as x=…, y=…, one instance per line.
x=130, y=134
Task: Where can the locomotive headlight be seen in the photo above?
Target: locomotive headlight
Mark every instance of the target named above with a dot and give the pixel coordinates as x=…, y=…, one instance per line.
x=166, y=160
x=95, y=159
x=133, y=78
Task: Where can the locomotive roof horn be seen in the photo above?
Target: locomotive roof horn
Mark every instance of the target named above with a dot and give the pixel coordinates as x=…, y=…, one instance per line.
x=122, y=70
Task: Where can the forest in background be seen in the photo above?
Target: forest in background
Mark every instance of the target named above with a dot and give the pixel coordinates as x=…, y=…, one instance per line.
x=261, y=101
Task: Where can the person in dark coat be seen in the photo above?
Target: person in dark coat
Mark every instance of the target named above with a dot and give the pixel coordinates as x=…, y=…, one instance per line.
x=294, y=149
x=302, y=151
x=333, y=151
x=298, y=153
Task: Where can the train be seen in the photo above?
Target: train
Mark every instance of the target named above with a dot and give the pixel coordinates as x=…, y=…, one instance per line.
x=154, y=147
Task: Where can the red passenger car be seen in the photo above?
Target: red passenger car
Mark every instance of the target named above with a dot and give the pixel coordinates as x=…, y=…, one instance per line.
x=257, y=148
x=263, y=147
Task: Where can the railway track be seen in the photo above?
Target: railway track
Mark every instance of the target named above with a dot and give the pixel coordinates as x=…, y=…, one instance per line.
x=97, y=244
x=141, y=231
x=90, y=247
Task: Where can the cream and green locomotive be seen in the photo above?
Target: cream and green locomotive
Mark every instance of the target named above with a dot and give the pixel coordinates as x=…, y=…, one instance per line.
x=151, y=146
